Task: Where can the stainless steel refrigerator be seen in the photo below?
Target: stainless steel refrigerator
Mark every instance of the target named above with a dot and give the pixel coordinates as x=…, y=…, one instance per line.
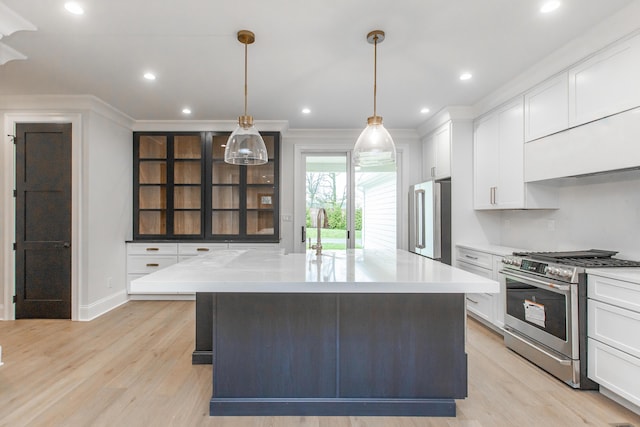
x=430, y=220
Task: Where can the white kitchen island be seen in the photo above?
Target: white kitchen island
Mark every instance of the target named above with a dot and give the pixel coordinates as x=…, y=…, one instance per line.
x=356, y=332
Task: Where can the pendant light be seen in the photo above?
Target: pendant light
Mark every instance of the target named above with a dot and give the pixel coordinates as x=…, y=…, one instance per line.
x=245, y=145
x=374, y=146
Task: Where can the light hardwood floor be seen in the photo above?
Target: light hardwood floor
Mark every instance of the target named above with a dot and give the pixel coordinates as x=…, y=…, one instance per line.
x=132, y=367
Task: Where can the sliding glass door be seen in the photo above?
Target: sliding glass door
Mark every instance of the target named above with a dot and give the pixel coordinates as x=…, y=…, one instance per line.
x=360, y=207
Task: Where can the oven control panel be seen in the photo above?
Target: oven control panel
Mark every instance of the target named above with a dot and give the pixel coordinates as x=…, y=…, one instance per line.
x=539, y=268
x=533, y=266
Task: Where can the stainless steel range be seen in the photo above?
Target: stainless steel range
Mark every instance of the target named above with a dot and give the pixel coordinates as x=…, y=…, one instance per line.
x=545, y=319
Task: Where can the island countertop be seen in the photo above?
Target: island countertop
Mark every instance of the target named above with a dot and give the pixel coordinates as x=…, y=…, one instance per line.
x=345, y=271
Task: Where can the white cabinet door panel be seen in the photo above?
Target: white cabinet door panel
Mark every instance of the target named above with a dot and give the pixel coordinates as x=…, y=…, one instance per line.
x=486, y=160
x=510, y=191
x=436, y=151
x=615, y=370
x=614, y=326
x=546, y=108
x=606, y=83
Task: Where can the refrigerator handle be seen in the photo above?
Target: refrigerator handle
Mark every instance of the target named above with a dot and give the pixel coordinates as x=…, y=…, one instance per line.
x=437, y=219
x=419, y=217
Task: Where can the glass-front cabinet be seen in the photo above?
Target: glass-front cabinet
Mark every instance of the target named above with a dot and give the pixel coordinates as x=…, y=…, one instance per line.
x=178, y=176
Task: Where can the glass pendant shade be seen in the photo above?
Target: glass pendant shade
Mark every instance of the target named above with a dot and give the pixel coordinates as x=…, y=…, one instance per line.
x=374, y=146
x=245, y=145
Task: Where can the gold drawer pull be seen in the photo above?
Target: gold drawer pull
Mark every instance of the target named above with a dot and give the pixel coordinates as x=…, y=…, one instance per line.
x=153, y=265
x=202, y=249
x=152, y=249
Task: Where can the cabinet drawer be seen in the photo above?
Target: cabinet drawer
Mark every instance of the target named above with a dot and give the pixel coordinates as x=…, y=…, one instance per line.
x=615, y=370
x=140, y=264
x=614, y=326
x=481, y=305
x=152, y=248
x=471, y=268
x=617, y=292
x=199, y=248
x=481, y=259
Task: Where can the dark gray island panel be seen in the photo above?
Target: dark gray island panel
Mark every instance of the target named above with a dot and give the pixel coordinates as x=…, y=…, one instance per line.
x=333, y=354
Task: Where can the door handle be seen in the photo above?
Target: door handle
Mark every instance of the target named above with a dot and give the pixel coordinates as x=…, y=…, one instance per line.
x=304, y=234
x=66, y=245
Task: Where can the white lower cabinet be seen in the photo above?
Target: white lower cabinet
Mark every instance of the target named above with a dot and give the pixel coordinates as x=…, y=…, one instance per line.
x=488, y=308
x=146, y=258
x=613, y=345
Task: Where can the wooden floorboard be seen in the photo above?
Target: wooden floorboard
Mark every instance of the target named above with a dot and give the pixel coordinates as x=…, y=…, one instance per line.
x=132, y=367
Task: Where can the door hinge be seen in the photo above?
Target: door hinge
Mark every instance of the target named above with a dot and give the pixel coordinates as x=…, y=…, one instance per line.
x=15, y=247
x=15, y=299
x=15, y=193
x=13, y=138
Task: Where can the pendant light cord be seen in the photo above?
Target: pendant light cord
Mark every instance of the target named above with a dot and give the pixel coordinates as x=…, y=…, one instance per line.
x=245, y=78
x=375, y=72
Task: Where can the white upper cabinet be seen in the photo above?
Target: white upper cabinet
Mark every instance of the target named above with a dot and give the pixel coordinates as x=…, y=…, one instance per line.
x=546, y=108
x=437, y=154
x=485, y=158
x=606, y=83
x=498, y=151
x=499, y=164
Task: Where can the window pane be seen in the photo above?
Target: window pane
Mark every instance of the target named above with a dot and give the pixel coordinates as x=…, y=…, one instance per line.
x=152, y=222
x=225, y=222
x=186, y=222
x=187, y=147
x=259, y=222
x=153, y=147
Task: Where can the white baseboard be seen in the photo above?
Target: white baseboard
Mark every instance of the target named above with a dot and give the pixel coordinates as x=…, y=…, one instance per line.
x=162, y=297
x=100, y=307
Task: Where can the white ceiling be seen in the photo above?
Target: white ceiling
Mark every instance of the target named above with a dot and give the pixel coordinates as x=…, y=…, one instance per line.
x=307, y=54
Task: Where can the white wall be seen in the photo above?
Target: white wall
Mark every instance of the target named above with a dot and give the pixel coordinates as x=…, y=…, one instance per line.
x=108, y=206
x=596, y=212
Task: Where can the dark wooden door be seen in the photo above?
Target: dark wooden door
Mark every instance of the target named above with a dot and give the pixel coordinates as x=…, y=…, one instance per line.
x=43, y=221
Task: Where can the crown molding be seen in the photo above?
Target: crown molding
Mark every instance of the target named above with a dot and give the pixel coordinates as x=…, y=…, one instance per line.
x=9, y=54
x=10, y=22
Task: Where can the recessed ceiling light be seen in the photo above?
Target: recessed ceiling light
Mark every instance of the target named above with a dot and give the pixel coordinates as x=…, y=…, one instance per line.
x=549, y=6
x=186, y=111
x=306, y=111
x=73, y=7
x=465, y=76
x=425, y=110
x=149, y=76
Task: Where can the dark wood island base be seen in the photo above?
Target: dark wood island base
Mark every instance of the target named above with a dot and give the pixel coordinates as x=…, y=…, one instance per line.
x=333, y=353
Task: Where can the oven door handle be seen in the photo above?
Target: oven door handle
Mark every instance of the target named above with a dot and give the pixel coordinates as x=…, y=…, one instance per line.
x=540, y=349
x=539, y=282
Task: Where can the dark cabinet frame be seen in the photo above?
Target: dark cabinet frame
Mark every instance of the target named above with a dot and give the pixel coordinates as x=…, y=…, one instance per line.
x=206, y=204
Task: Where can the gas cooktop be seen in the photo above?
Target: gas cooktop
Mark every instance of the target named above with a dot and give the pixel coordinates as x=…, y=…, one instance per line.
x=591, y=258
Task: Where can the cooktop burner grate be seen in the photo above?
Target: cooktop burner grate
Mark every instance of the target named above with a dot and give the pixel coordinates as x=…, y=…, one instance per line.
x=592, y=258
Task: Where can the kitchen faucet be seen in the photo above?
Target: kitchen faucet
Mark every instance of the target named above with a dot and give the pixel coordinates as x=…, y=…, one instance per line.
x=322, y=221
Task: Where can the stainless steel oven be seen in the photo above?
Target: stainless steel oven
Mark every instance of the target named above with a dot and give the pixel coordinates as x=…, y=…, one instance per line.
x=541, y=323
x=546, y=313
